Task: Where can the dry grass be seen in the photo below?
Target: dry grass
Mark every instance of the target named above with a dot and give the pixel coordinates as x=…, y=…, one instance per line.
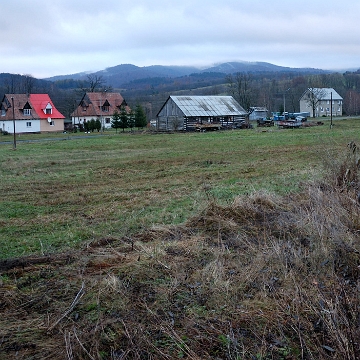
x=58, y=195
x=265, y=277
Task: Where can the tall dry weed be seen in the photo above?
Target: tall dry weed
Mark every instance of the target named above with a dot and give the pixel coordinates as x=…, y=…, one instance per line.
x=266, y=277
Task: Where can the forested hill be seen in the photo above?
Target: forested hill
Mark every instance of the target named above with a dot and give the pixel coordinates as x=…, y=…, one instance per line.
x=119, y=75
x=253, y=84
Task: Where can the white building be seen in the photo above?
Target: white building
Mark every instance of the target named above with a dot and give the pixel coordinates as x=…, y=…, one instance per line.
x=321, y=101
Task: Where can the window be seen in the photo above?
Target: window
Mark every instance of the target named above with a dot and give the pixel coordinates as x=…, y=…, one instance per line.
x=321, y=109
x=3, y=112
x=28, y=124
x=27, y=111
x=48, y=109
x=105, y=108
x=327, y=109
x=52, y=123
x=107, y=120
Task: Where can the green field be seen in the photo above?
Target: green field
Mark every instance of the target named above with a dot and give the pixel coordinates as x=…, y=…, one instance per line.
x=59, y=194
x=223, y=245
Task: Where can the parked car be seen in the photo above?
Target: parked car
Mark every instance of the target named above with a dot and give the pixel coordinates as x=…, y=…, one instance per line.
x=301, y=118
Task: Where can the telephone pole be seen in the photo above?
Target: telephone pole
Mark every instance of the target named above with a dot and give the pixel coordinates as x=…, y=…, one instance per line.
x=13, y=113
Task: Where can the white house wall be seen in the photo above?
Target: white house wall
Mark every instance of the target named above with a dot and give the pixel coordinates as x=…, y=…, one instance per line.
x=323, y=108
x=20, y=126
x=82, y=119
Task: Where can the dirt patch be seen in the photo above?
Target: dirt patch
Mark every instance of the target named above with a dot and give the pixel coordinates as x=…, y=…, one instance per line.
x=28, y=261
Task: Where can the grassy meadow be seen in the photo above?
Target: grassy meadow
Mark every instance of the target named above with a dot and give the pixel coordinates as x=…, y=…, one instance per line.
x=235, y=245
x=59, y=194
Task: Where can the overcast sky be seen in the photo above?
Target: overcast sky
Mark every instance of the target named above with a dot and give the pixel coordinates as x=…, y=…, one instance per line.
x=54, y=37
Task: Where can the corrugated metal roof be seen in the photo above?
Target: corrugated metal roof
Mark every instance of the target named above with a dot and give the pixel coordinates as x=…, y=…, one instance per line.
x=258, y=108
x=208, y=105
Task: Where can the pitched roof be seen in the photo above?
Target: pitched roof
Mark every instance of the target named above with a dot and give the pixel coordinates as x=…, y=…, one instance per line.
x=94, y=101
x=208, y=105
x=20, y=102
x=35, y=102
x=258, y=108
x=40, y=102
x=325, y=93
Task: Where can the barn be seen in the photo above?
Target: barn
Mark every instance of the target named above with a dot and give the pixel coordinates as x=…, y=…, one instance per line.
x=191, y=113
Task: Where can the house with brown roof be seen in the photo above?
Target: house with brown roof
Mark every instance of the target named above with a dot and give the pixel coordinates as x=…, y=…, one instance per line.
x=98, y=105
x=31, y=113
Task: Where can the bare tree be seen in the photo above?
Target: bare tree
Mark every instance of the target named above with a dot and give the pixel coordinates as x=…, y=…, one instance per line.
x=95, y=82
x=28, y=83
x=176, y=123
x=293, y=100
x=240, y=88
x=12, y=84
x=313, y=97
x=352, y=102
x=265, y=95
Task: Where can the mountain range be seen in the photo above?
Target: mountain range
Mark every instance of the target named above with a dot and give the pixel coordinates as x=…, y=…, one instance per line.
x=119, y=75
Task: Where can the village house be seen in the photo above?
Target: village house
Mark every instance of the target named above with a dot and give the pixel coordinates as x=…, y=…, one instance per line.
x=196, y=112
x=98, y=105
x=321, y=102
x=33, y=113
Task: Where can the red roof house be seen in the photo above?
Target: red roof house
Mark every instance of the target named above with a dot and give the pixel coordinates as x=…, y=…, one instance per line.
x=30, y=113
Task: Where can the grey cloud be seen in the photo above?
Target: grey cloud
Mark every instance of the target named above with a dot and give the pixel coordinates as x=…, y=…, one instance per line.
x=68, y=36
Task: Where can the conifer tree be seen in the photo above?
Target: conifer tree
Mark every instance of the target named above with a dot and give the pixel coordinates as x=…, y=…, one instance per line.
x=115, y=122
x=124, y=119
x=140, y=117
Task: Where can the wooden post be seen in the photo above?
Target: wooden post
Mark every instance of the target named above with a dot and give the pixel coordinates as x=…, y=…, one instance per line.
x=331, y=112
x=13, y=113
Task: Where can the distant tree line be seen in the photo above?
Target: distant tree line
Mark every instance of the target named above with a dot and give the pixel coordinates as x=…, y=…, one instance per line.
x=273, y=91
x=268, y=89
